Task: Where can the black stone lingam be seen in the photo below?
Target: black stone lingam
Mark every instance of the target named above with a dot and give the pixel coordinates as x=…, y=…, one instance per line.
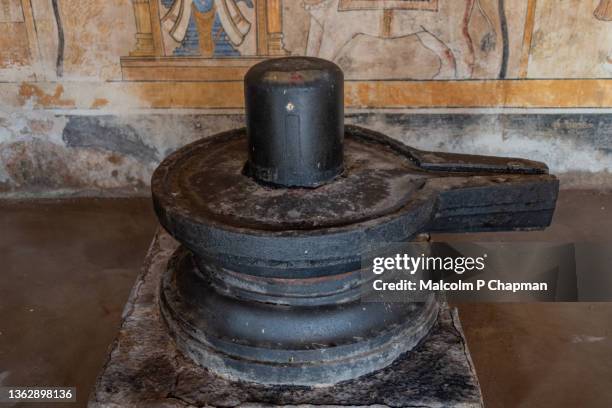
x=273, y=220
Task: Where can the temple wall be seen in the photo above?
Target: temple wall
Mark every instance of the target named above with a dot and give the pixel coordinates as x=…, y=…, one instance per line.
x=94, y=93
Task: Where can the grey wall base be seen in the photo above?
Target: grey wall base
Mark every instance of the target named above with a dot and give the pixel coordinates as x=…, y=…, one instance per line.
x=144, y=369
x=45, y=153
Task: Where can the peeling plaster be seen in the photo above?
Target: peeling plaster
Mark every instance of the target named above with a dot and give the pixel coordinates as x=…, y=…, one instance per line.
x=27, y=125
x=49, y=151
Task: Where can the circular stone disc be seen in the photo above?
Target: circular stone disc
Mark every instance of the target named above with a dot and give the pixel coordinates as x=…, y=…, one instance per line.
x=205, y=180
x=267, y=344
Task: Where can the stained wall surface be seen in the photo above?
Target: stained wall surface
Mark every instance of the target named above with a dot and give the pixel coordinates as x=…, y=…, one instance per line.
x=93, y=93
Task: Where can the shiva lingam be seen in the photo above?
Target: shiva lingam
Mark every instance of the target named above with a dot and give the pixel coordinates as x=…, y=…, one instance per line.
x=273, y=220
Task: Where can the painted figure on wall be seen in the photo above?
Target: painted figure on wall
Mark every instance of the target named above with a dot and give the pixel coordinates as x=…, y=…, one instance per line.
x=603, y=12
x=442, y=26
x=208, y=28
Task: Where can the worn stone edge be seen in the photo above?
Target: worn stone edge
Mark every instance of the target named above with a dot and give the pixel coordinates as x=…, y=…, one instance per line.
x=456, y=322
x=126, y=312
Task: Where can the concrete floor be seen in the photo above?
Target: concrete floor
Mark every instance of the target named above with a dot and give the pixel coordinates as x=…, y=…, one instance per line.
x=67, y=267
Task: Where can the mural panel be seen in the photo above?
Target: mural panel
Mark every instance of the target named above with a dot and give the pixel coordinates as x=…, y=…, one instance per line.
x=456, y=39
x=210, y=29
x=442, y=28
x=430, y=43
x=571, y=40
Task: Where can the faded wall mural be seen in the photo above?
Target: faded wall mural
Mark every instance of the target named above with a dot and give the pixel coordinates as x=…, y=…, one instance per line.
x=383, y=39
x=603, y=12
x=93, y=93
x=370, y=39
x=410, y=39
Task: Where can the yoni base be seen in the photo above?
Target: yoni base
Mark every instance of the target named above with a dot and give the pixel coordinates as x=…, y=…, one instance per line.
x=144, y=368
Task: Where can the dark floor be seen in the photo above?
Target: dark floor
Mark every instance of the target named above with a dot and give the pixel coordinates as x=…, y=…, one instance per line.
x=66, y=269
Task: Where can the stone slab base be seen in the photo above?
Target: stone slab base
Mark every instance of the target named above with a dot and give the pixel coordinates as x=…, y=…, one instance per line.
x=144, y=368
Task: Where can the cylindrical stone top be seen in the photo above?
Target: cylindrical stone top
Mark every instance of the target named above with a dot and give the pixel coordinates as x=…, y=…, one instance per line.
x=295, y=121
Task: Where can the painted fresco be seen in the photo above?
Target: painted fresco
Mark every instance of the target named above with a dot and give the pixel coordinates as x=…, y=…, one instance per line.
x=218, y=40
x=416, y=39
x=603, y=12
x=203, y=28
x=574, y=44
x=389, y=39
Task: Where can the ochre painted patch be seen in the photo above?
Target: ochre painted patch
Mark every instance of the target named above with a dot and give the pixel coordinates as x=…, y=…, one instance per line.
x=99, y=103
x=41, y=99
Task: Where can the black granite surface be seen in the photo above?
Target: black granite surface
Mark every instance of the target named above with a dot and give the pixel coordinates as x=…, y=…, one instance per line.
x=144, y=369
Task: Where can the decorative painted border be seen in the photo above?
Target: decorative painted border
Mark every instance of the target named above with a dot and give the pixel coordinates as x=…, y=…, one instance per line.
x=541, y=93
x=431, y=5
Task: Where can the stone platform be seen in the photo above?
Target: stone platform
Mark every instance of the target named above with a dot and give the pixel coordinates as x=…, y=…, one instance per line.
x=144, y=368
